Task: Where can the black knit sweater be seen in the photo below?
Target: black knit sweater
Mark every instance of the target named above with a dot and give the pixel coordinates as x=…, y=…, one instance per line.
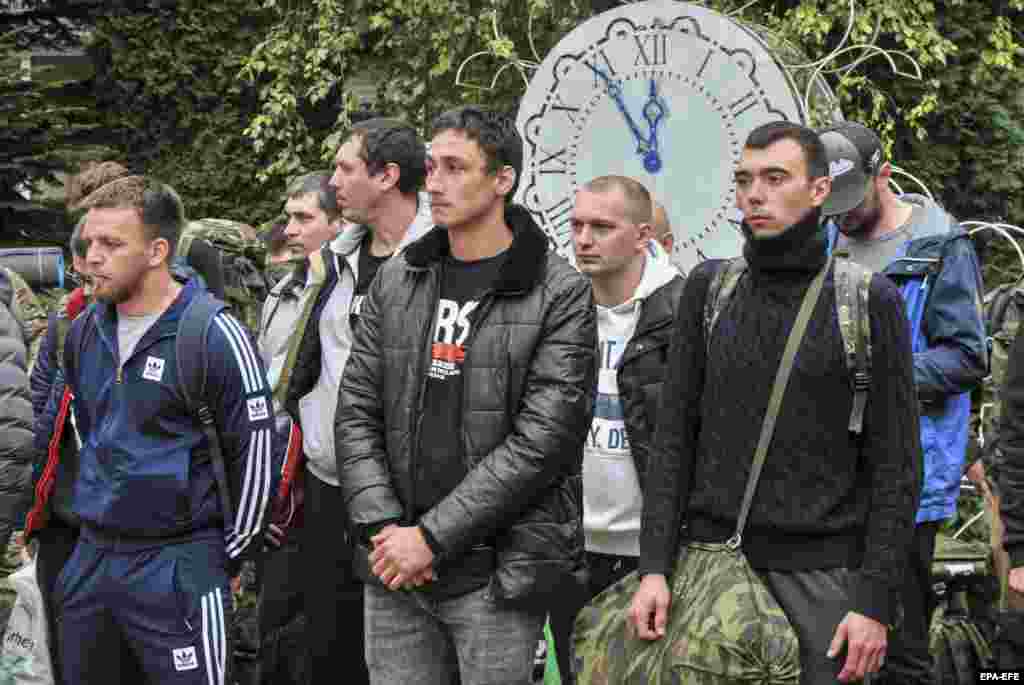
x=825, y=499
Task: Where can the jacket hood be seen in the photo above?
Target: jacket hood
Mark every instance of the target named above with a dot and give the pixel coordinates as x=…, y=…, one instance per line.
x=527, y=257
x=658, y=271
x=348, y=241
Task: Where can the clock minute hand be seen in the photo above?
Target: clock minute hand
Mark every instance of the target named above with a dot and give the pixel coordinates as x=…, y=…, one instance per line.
x=615, y=91
x=654, y=112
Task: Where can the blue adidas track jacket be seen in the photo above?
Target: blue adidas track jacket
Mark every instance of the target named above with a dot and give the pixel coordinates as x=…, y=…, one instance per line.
x=143, y=467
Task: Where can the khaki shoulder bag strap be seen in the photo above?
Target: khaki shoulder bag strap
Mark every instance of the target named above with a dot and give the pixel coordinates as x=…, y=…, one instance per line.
x=775, y=401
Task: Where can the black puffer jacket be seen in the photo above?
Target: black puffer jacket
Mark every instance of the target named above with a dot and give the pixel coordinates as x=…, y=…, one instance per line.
x=642, y=370
x=528, y=396
x=16, y=448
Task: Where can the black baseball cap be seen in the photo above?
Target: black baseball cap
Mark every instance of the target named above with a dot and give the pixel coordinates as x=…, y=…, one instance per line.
x=855, y=156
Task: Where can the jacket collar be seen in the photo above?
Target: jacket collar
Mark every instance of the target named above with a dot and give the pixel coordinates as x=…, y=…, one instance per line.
x=168, y=321
x=523, y=267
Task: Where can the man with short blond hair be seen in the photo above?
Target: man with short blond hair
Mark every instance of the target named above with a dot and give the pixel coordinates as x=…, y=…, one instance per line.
x=636, y=290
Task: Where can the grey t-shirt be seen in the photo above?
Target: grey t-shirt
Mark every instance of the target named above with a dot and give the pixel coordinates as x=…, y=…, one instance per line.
x=130, y=330
x=878, y=253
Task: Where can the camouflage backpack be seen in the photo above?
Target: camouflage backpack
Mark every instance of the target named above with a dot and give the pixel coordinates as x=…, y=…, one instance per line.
x=242, y=258
x=1003, y=310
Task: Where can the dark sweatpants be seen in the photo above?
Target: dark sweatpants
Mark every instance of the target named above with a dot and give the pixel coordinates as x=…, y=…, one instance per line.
x=815, y=603
x=909, y=661
x=605, y=569
x=56, y=542
x=334, y=596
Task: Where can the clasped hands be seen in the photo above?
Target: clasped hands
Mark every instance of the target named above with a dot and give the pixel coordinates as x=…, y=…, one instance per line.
x=401, y=557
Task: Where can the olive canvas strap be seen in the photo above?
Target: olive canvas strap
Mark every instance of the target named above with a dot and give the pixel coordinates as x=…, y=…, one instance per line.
x=803, y=317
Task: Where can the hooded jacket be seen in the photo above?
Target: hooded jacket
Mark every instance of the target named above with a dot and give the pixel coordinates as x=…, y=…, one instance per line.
x=633, y=338
x=940, y=280
x=15, y=417
x=324, y=285
x=143, y=469
x=826, y=499
x=528, y=395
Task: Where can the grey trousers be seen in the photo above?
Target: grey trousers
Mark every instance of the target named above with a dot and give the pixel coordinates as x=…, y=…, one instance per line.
x=410, y=639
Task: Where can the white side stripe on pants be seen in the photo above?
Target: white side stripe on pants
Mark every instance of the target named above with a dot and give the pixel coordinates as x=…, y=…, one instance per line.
x=214, y=641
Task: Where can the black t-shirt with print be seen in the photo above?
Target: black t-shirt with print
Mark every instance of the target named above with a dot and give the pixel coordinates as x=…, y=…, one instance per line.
x=440, y=465
x=367, y=265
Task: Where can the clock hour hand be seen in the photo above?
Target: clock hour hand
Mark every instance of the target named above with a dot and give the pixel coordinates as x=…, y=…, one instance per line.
x=654, y=113
x=615, y=92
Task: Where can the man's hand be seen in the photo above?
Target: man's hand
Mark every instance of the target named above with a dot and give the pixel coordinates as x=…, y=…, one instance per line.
x=274, y=536
x=976, y=474
x=866, y=640
x=648, y=613
x=1017, y=579
x=400, y=556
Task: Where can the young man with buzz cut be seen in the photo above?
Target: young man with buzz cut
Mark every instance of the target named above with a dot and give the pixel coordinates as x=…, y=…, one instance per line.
x=636, y=290
x=463, y=413
x=151, y=566
x=832, y=515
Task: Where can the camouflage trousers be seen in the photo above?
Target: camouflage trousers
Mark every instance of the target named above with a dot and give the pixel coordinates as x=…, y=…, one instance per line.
x=724, y=626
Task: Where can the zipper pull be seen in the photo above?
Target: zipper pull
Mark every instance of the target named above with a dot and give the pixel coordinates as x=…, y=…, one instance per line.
x=119, y=376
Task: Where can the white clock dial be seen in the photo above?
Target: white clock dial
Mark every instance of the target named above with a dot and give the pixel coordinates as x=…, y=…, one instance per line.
x=664, y=92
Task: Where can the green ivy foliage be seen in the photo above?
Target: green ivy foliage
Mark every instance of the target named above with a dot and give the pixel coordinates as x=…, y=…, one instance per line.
x=169, y=89
x=959, y=127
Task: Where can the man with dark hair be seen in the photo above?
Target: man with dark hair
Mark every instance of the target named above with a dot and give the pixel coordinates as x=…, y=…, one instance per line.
x=313, y=215
x=831, y=518
x=636, y=290
x=930, y=258
x=379, y=169
x=150, y=568
x=464, y=408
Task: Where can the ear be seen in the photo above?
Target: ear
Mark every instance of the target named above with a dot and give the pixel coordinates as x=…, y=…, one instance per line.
x=820, y=188
x=159, y=252
x=506, y=178
x=644, y=233
x=390, y=175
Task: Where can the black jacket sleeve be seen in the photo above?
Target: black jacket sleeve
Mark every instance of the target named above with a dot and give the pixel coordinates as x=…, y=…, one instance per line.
x=363, y=469
x=673, y=451
x=1009, y=468
x=891, y=454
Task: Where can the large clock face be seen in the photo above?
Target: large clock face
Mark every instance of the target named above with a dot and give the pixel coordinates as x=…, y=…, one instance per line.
x=664, y=92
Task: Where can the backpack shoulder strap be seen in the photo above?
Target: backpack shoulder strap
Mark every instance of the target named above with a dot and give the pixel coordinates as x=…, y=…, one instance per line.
x=192, y=367
x=70, y=353
x=184, y=244
x=853, y=288
x=721, y=288
x=1000, y=301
